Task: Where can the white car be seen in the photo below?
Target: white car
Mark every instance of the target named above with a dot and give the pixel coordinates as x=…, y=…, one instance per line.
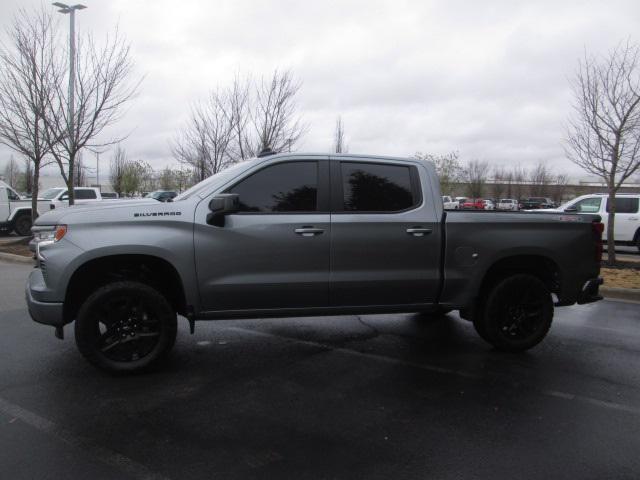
x=450, y=203
x=627, y=223
x=489, y=205
x=508, y=204
x=59, y=197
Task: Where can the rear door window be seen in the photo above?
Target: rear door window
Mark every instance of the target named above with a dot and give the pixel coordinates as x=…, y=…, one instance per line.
x=378, y=187
x=85, y=194
x=625, y=205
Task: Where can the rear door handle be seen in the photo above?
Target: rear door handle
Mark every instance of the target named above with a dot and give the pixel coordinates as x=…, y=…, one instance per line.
x=309, y=231
x=418, y=231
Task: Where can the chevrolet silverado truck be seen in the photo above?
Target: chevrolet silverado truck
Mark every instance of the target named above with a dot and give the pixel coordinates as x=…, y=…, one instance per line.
x=293, y=235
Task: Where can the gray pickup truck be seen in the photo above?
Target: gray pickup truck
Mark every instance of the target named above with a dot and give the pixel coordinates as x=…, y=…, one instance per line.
x=295, y=234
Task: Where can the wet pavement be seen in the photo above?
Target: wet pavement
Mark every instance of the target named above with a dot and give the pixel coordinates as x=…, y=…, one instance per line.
x=373, y=396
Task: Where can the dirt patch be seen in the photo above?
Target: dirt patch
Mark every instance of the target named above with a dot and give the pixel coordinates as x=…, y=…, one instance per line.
x=17, y=249
x=621, y=277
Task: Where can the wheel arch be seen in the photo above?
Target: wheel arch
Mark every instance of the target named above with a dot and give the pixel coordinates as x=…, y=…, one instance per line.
x=541, y=266
x=148, y=269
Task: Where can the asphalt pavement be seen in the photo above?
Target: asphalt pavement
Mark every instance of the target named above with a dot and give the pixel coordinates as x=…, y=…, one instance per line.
x=372, y=396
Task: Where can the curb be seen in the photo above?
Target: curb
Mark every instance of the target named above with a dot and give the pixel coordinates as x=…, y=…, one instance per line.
x=631, y=294
x=10, y=257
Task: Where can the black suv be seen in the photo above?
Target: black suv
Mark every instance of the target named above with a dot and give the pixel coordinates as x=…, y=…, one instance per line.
x=533, y=203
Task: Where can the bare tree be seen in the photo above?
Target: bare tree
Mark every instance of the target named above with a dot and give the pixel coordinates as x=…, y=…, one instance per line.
x=448, y=168
x=118, y=168
x=206, y=142
x=26, y=183
x=80, y=177
x=475, y=175
x=560, y=187
x=518, y=176
x=12, y=172
x=27, y=73
x=339, y=145
x=103, y=85
x=499, y=177
x=276, y=124
x=603, y=136
x=168, y=179
x=239, y=114
x=540, y=178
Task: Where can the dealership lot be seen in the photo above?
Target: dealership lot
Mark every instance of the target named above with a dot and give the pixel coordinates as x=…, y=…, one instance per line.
x=376, y=396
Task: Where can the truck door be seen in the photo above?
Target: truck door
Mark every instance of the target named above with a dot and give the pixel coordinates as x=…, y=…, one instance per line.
x=627, y=218
x=385, y=234
x=274, y=253
x=4, y=204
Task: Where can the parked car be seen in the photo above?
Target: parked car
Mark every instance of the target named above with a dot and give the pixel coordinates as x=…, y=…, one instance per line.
x=508, y=204
x=627, y=222
x=162, y=195
x=59, y=197
x=449, y=203
x=109, y=195
x=15, y=211
x=489, y=205
x=293, y=234
x=473, y=204
x=478, y=204
x=534, y=203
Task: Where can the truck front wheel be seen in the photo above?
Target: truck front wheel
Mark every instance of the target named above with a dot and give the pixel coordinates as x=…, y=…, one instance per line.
x=516, y=313
x=22, y=225
x=125, y=327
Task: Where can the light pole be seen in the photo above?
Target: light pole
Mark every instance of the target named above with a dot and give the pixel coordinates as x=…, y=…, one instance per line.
x=71, y=10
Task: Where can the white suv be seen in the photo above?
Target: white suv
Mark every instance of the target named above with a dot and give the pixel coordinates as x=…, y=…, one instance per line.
x=627, y=223
x=508, y=204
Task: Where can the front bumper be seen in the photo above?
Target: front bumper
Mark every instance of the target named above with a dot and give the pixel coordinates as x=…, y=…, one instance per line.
x=589, y=292
x=48, y=313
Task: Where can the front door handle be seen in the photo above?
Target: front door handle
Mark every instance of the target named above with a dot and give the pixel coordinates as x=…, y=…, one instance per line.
x=309, y=231
x=418, y=231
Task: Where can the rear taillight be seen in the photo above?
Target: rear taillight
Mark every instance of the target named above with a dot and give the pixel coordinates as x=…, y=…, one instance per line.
x=598, y=228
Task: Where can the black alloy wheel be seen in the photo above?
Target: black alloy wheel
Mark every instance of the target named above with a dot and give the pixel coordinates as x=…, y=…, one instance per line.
x=517, y=313
x=125, y=327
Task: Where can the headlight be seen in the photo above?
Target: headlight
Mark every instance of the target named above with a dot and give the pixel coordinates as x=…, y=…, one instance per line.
x=52, y=233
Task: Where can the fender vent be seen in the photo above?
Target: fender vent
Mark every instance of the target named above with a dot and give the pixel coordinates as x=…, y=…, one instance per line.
x=43, y=267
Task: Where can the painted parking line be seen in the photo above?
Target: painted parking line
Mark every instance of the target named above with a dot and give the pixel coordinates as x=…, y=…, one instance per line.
x=434, y=368
x=114, y=459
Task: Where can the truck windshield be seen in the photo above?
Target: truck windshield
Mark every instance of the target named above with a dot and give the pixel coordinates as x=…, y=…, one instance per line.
x=50, y=193
x=214, y=180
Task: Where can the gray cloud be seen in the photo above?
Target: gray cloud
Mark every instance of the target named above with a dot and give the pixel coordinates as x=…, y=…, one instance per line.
x=489, y=79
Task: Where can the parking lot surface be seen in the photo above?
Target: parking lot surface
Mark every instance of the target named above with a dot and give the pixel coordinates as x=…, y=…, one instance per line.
x=372, y=396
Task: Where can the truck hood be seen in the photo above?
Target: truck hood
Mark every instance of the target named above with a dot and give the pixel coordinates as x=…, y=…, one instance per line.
x=54, y=217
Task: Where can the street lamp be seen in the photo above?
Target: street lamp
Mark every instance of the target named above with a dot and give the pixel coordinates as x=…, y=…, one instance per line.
x=71, y=10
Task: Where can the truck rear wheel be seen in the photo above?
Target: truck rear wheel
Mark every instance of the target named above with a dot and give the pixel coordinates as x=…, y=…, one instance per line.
x=125, y=327
x=22, y=225
x=516, y=314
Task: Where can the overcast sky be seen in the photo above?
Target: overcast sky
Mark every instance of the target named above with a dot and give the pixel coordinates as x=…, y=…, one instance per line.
x=488, y=79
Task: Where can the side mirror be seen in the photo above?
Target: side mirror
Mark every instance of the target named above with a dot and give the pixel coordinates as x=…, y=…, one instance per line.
x=571, y=208
x=64, y=197
x=221, y=206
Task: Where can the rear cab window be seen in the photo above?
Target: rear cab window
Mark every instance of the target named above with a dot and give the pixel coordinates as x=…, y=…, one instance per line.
x=367, y=187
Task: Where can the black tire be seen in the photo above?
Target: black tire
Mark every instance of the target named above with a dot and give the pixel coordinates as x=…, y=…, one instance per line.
x=125, y=327
x=22, y=225
x=516, y=314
